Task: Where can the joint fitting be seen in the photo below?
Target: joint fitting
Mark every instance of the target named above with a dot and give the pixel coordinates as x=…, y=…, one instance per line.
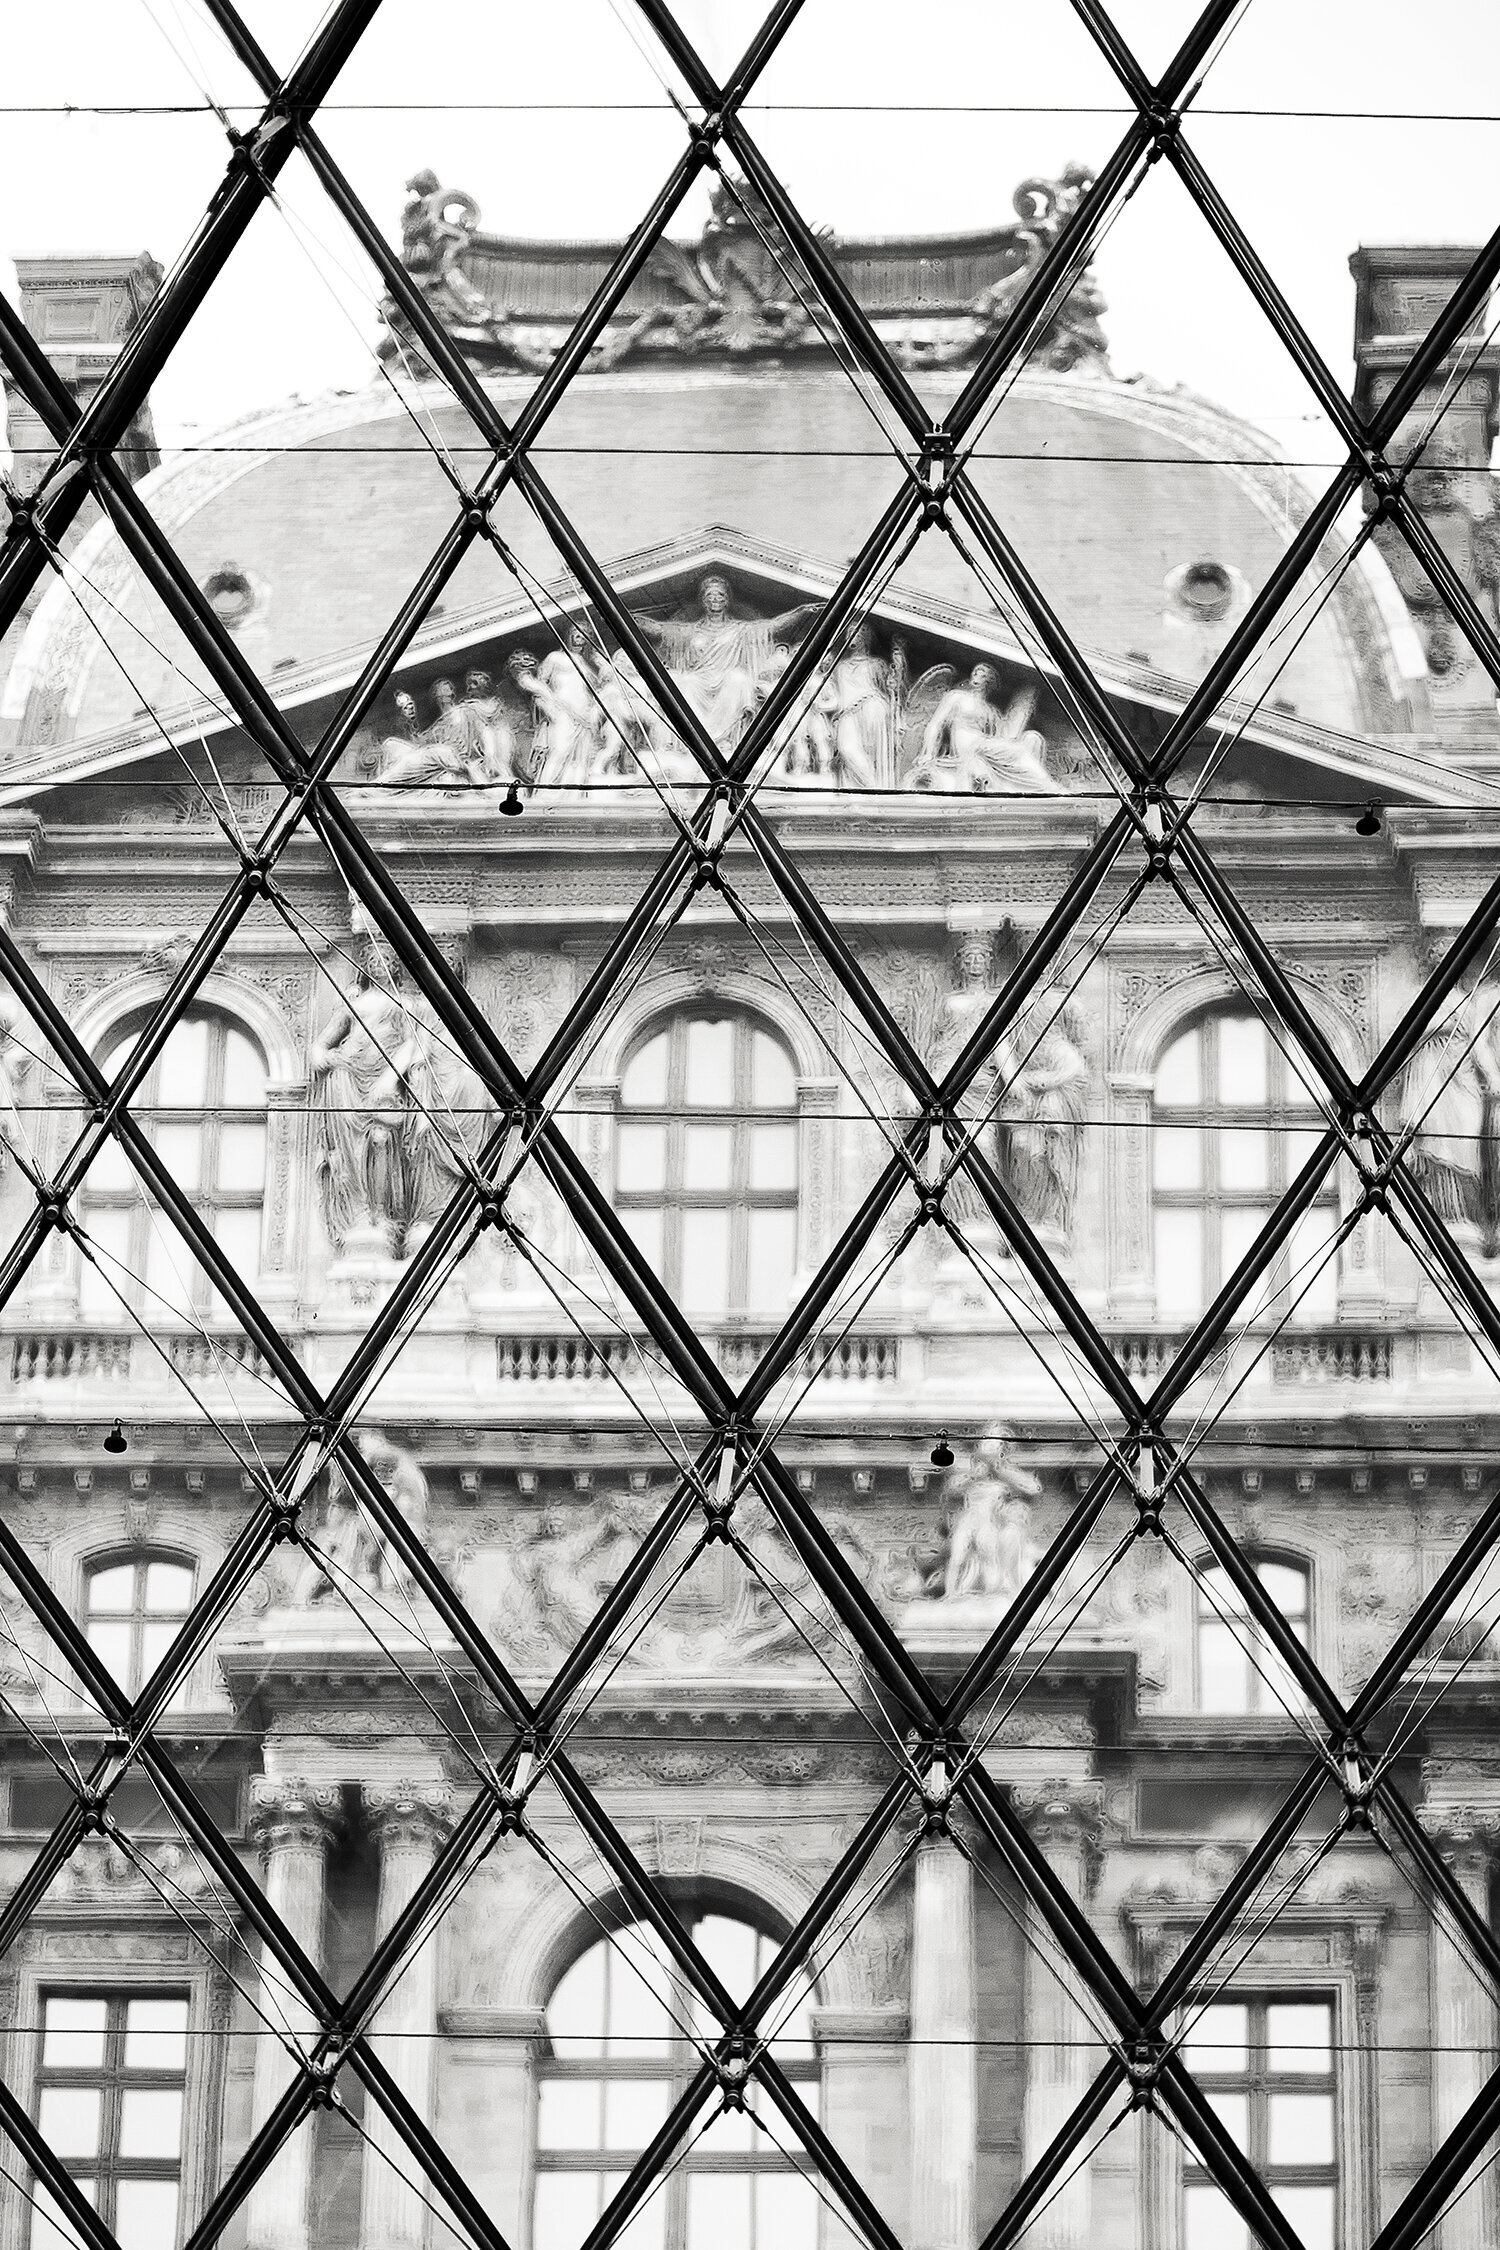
x=53, y=1209
x=937, y=1791
x=321, y=2076
x=1143, y=2061
x=930, y=1208
x=1355, y=1783
x=93, y=1805
x=704, y=139
x=492, y=1207
x=257, y=872
x=1165, y=126
x=732, y=2069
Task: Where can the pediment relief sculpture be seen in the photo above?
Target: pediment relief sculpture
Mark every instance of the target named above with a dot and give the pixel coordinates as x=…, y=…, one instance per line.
x=351, y=1554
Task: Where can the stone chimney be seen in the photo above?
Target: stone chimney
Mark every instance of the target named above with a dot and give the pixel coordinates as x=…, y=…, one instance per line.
x=1398, y=294
x=80, y=310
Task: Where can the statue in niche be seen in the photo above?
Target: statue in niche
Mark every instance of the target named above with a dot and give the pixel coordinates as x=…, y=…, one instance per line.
x=971, y=745
x=1450, y=1102
x=1043, y=1078
x=719, y=660
x=358, y=1556
x=991, y=1550
x=398, y=1112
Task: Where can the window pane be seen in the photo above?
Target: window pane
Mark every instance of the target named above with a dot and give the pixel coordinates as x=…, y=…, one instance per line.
x=111, y=1172
x=242, y=1158
x=634, y=2109
x=171, y=1271
x=112, y=1589
x=1301, y=2129
x=641, y=1164
x=156, y=2035
x=1244, y=1157
x=1287, y=1588
x=1179, y=1264
x=1298, y=1077
x=150, y=2121
x=111, y=1644
x=567, y=2204
x=773, y=1259
x=1314, y=1266
x=773, y=1082
x=1218, y=2044
x=69, y=2119
x=1209, y=2221
x=729, y=1947
x=1298, y=2036
x=156, y=1639
x=1239, y=1232
x=180, y=1148
x=101, y=1285
x=146, y=2214
x=648, y=2229
x=182, y=1073
x=705, y=1261
x=73, y=2034
x=1177, y=1156
x=569, y=2113
x=575, y=2014
x=710, y=1063
x=639, y=2022
x=773, y=1156
x=1179, y=1074
x=786, y=2212
x=169, y=1586
x=706, y=1153
x=1233, y=2113
x=645, y=1230
x=49, y=2229
x=644, y=1085
x=718, y=2211
x=1309, y=2210
x=244, y=1073
x=1223, y=1671
x=238, y=1236
x=1242, y=1061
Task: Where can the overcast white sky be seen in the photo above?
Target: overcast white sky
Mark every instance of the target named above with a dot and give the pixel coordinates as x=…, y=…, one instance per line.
x=882, y=117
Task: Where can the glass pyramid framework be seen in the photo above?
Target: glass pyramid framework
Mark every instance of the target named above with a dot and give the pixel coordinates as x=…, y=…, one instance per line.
x=936, y=1176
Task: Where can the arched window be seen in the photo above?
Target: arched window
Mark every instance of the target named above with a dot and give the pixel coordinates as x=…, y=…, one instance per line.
x=1232, y=1125
x=133, y=1610
x=617, y=2057
x=1238, y=1671
x=203, y=1108
x=706, y=1162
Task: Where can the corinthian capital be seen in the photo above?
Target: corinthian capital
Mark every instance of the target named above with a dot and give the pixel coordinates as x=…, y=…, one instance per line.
x=1466, y=1834
x=288, y=1813
x=407, y=1815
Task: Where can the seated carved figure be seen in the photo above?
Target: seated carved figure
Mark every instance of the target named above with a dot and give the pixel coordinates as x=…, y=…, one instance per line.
x=971, y=745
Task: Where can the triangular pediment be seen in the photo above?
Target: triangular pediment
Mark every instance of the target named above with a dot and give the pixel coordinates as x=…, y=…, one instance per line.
x=939, y=642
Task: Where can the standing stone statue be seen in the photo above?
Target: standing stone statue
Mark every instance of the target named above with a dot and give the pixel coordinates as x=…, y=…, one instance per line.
x=354, y=1555
x=1043, y=1105
x=991, y=1551
x=1450, y=1098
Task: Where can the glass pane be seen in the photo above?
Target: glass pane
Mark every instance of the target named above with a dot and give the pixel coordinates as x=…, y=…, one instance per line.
x=171, y=1271
x=146, y=2214
x=111, y=1644
x=150, y=2121
x=1224, y=1683
x=1299, y=2036
x=705, y=1261
x=706, y=1156
x=569, y=2113
x=69, y=2119
x=729, y=1947
x=773, y=1260
x=169, y=1586
x=1177, y=1156
x=1179, y=1074
x=1298, y=1077
x=1179, y=1264
x=242, y=1159
x=644, y=1085
x=156, y=2035
x=101, y=1284
x=639, y=1984
x=1233, y=2112
x=244, y=1073
x=786, y=2212
x=156, y=1639
x=1218, y=2044
x=710, y=1063
x=719, y=2211
x=1310, y=2211
x=112, y=1589
x=773, y=1156
x=575, y=2014
x=1239, y=1230
x=732, y=2133
x=73, y=2034
x=641, y=1163
x=1242, y=1062
x=773, y=1081
x=1301, y=2129
x=634, y=2109
x=182, y=1073
x=645, y=1231
x=648, y=2229
x=49, y=2229
x=111, y=1172
x=1314, y=1266
x=1209, y=2221
x=180, y=1148
x=567, y=2204
x=1287, y=1588
x=1244, y=1157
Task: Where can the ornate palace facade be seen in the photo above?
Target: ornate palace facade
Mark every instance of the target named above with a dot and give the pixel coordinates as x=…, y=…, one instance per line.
x=937, y=788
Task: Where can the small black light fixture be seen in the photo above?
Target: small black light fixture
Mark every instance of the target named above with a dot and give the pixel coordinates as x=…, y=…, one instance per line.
x=510, y=803
x=942, y=1453
x=1368, y=823
x=117, y=1441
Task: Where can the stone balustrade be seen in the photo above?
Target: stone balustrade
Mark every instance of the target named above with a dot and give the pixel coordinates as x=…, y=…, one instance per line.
x=1298, y=1356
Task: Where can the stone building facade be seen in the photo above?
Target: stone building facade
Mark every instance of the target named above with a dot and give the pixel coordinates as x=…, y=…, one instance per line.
x=938, y=793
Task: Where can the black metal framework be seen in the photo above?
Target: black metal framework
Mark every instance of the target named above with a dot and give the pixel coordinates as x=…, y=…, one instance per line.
x=1151, y=838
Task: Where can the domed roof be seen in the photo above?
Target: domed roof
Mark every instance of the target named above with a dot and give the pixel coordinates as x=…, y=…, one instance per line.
x=1147, y=517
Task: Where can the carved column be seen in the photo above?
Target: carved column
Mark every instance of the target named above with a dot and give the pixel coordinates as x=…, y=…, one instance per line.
x=1463, y=2015
x=1064, y=1820
x=294, y=1823
x=409, y=1822
x=944, y=2080
x=1127, y=1201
